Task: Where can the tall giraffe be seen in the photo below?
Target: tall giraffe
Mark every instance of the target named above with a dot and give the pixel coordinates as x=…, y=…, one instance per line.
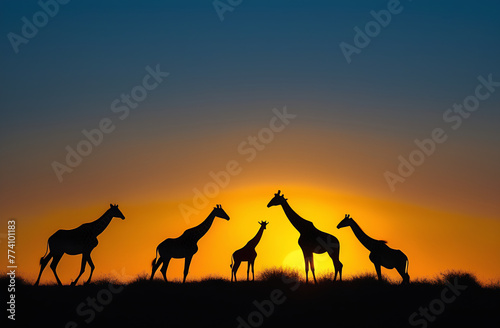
x=311, y=239
x=184, y=246
x=380, y=253
x=247, y=253
x=81, y=240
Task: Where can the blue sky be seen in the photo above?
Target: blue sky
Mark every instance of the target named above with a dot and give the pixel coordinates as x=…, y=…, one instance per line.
x=263, y=51
x=227, y=74
x=353, y=120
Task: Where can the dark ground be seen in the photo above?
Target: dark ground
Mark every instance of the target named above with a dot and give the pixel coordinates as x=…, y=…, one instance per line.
x=359, y=302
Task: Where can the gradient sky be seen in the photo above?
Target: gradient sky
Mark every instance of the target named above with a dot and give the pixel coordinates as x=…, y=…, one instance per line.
x=353, y=121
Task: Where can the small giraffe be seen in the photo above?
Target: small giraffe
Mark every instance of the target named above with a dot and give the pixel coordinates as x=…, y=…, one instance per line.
x=81, y=240
x=247, y=253
x=311, y=239
x=380, y=253
x=184, y=246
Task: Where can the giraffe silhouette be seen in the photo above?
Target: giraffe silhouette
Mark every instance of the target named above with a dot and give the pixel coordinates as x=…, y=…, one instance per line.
x=311, y=239
x=81, y=240
x=380, y=253
x=247, y=253
x=184, y=246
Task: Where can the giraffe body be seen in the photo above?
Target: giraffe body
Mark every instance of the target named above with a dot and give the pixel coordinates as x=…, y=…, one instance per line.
x=81, y=240
x=72, y=242
x=381, y=255
x=176, y=248
x=185, y=246
x=247, y=254
x=311, y=240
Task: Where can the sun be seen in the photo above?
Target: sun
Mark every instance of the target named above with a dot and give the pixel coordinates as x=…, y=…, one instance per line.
x=295, y=260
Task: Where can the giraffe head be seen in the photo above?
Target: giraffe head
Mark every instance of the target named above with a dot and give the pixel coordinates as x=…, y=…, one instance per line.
x=219, y=212
x=346, y=222
x=115, y=212
x=263, y=224
x=277, y=199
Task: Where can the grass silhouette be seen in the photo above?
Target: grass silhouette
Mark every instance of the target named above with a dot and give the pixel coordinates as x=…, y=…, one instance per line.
x=358, y=301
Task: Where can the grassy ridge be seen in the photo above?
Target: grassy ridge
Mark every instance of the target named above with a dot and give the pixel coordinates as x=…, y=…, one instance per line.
x=277, y=298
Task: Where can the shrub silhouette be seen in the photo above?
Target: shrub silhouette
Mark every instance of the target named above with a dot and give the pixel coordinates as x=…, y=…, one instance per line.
x=218, y=302
x=465, y=278
x=279, y=274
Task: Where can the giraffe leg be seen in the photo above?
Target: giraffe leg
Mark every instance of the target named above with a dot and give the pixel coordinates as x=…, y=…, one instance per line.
x=248, y=270
x=92, y=267
x=55, y=260
x=164, y=268
x=307, y=269
x=306, y=260
x=155, y=266
x=253, y=274
x=82, y=269
x=187, y=262
x=43, y=264
x=235, y=268
x=375, y=260
x=337, y=264
x=402, y=271
x=379, y=271
x=311, y=261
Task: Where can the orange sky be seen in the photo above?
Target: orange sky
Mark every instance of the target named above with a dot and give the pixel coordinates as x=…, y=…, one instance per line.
x=434, y=241
x=440, y=226
x=219, y=83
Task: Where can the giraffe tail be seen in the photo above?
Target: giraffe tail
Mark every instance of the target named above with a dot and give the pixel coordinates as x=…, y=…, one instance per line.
x=231, y=265
x=46, y=250
x=154, y=260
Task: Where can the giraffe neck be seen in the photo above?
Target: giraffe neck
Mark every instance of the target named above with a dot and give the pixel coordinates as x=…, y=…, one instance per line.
x=363, y=238
x=298, y=222
x=99, y=225
x=255, y=240
x=201, y=229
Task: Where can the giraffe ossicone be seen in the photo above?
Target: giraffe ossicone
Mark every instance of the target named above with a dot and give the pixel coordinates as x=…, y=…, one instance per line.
x=311, y=239
x=381, y=255
x=247, y=253
x=184, y=246
x=81, y=240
